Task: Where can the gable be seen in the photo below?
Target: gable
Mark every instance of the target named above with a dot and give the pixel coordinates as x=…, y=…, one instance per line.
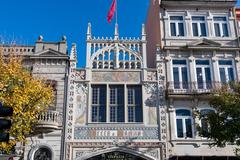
x=49, y=53
x=206, y=43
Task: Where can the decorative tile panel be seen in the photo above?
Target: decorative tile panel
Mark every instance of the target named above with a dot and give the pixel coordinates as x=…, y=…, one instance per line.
x=115, y=133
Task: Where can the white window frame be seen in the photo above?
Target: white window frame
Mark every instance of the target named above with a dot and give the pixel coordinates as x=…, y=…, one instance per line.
x=203, y=66
x=220, y=25
x=226, y=69
x=180, y=66
x=184, y=118
x=176, y=22
x=199, y=25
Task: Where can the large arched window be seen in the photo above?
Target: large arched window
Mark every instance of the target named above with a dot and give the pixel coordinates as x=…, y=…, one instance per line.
x=184, y=123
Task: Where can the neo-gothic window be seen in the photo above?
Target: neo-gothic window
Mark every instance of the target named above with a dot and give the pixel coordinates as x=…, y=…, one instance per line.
x=180, y=74
x=203, y=74
x=116, y=97
x=176, y=26
x=199, y=26
x=134, y=104
x=98, y=103
x=220, y=26
x=109, y=105
x=226, y=70
x=184, y=123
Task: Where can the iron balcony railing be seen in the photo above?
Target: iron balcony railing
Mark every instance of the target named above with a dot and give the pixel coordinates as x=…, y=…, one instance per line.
x=194, y=87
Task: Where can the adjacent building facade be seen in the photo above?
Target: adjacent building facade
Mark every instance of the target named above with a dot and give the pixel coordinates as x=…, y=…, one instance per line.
x=47, y=60
x=198, y=45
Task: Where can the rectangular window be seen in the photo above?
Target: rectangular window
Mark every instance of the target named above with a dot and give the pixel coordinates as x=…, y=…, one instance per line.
x=198, y=26
x=226, y=71
x=176, y=26
x=184, y=123
x=203, y=74
x=116, y=103
x=98, y=103
x=180, y=74
x=220, y=26
x=135, y=113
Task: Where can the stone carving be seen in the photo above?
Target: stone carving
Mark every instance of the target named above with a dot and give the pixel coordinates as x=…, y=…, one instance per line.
x=80, y=75
x=151, y=76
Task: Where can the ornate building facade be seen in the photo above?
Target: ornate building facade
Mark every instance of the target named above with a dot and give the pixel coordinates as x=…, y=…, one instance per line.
x=198, y=44
x=112, y=104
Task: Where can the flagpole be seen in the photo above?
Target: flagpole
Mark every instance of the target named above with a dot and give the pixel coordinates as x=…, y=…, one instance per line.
x=116, y=13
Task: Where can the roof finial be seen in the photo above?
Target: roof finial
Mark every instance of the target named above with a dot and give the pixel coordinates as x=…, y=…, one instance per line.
x=143, y=32
x=89, y=31
x=116, y=35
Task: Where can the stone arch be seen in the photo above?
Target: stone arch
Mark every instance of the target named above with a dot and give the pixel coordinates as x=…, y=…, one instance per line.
x=117, y=149
x=32, y=153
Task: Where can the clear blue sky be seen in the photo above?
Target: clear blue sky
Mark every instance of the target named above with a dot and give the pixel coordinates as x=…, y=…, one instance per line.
x=25, y=20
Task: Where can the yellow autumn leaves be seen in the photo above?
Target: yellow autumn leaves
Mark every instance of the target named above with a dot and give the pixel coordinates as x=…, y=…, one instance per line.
x=27, y=96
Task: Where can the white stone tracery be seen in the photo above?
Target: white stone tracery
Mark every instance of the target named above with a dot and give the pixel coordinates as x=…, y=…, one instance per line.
x=116, y=56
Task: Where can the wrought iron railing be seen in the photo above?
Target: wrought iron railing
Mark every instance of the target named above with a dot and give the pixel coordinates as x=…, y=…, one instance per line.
x=194, y=87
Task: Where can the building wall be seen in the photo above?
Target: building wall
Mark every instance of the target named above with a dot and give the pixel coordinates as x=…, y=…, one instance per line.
x=47, y=60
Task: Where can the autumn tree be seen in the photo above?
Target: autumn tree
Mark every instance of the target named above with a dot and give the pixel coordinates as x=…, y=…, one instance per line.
x=28, y=96
x=224, y=123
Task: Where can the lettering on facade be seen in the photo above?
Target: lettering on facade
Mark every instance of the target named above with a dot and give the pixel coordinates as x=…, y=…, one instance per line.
x=116, y=133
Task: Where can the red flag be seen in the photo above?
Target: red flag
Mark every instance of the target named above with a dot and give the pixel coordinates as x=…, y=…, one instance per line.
x=111, y=11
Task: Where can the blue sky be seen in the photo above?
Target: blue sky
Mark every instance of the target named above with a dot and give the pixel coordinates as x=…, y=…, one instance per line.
x=25, y=20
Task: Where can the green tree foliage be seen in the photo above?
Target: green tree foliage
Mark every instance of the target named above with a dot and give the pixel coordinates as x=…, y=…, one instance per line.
x=27, y=96
x=224, y=124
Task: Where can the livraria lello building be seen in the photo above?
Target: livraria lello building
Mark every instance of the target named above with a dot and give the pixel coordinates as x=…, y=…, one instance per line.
x=137, y=97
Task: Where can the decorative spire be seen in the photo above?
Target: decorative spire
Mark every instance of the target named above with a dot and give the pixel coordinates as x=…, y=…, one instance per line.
x=143, y=32
x=116, y=35
x=73, y=54
x=89, y=31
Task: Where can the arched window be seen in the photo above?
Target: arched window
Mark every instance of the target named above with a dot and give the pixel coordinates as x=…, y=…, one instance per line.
x=126, y=56
x=121, y=55
x=43, y=153
x=203, y=122
x=106, y=56
x=184, y=123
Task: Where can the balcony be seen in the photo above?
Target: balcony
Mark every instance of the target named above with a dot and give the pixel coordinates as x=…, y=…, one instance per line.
x=47, y=122
x=190, y=88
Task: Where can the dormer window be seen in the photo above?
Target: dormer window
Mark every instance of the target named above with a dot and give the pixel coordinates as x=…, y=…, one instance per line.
x=199, y=26
x=220, y=26
x=177, y=26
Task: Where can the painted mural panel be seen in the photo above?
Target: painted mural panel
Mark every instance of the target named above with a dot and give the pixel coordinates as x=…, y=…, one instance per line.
x=116, y=77
x=81, y=103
